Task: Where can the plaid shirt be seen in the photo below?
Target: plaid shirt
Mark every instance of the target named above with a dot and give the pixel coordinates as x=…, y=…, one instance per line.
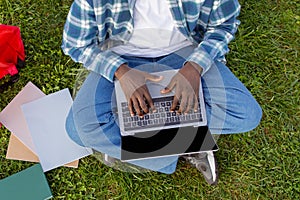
x=211, y=24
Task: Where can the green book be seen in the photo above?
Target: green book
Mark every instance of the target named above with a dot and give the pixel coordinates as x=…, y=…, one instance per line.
x=29, y=184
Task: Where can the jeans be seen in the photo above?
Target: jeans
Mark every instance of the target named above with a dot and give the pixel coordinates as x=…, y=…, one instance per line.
x=91, y=122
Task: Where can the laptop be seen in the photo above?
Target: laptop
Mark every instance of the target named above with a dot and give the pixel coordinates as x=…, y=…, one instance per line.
x=162, y=133
x=167, y=142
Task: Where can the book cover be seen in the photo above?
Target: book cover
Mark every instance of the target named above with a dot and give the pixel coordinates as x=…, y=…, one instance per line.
x=30, y=183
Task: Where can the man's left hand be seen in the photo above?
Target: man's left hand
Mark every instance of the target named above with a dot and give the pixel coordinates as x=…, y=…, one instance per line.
x=186, y=83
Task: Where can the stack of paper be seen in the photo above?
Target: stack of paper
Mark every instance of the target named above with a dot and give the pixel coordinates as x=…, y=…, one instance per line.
x=37, y=123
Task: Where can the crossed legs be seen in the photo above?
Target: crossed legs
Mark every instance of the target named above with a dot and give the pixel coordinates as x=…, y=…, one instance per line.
x=92, y=121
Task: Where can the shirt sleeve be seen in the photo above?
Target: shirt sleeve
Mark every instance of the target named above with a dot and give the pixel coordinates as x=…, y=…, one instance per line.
x=220, y=31
x=81, y=43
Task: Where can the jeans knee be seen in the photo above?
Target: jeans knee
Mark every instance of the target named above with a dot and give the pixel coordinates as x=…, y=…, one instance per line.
x=88, y=128
x=253, y=116
x=72, y=130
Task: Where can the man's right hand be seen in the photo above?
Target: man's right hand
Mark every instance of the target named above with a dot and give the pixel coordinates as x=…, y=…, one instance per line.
x=133, y=83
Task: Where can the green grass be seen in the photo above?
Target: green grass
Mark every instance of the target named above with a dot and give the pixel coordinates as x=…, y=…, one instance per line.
x=261, y=164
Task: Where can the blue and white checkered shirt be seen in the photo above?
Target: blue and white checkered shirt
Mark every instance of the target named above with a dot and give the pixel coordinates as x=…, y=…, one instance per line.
x=211, y=24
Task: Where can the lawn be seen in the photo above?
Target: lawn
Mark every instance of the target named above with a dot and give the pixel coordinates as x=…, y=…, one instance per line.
x=260, y=164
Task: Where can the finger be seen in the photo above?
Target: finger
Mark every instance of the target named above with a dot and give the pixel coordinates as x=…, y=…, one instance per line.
x=183, y=103
x=151, y=105
x=196, y=103
x=141, y=94
x=152, y=77
x=169, y=87
x=143, y=104
x=190, y=104
x=174, y=103
x=136, y=106
x=130, y=108
x=149, y=100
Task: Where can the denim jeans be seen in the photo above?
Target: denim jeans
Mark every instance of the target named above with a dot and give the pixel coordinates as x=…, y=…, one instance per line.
x=91, y=122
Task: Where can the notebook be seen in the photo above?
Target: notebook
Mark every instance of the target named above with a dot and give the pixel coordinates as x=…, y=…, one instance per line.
x=162, y=133
x=163, y=118
x=30, y=183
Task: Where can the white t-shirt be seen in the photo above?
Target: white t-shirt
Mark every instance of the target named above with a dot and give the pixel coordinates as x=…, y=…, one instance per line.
x=154, y=32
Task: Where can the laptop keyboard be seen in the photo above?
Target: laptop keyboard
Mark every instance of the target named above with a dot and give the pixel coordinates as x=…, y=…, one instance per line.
x=163, y=116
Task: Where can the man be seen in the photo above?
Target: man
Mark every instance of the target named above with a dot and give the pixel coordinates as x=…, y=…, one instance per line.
x=127, y=39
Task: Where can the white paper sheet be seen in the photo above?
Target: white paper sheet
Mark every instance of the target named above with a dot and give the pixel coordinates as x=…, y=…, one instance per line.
x=12, y=116
x=46, y=121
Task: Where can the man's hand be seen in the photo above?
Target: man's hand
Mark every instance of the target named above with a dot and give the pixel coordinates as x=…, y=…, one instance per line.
x=186, y=82
x=133, y=83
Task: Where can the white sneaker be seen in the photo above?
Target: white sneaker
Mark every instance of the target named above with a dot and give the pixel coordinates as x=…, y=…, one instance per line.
x=206, y=163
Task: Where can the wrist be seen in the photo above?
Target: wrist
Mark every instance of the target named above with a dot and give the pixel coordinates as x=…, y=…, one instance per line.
x=195, y=66
x=121, y=71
